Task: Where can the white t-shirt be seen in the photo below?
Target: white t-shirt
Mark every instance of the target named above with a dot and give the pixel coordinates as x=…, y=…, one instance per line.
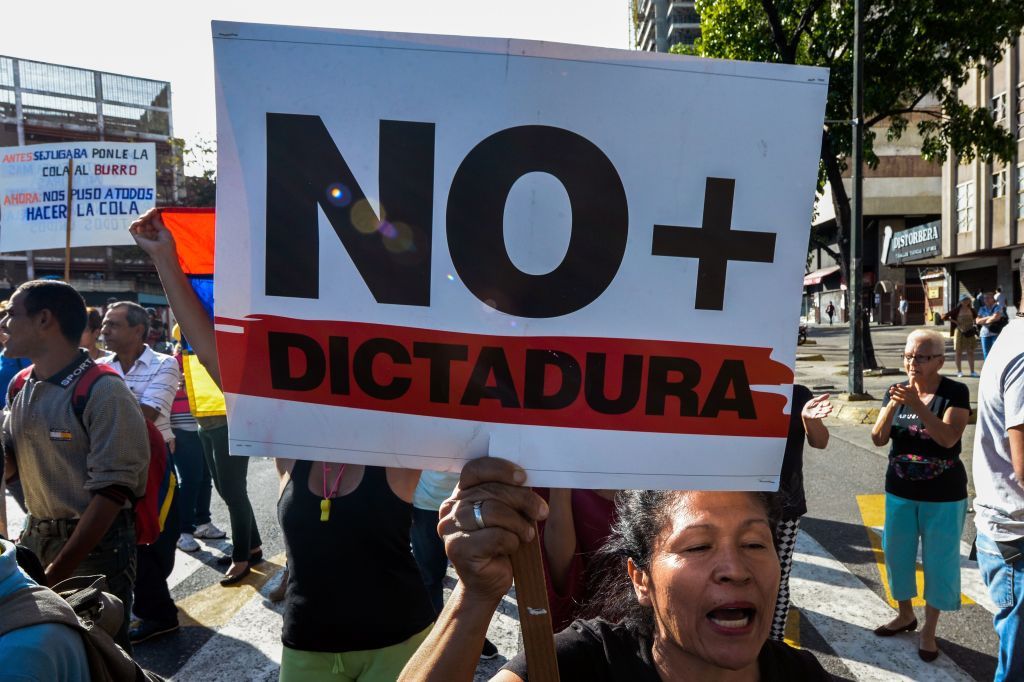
x=154, y=379
x=999, y=505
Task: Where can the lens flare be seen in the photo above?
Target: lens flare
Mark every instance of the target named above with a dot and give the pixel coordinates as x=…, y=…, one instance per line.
x=363, y=217
x=338, y=194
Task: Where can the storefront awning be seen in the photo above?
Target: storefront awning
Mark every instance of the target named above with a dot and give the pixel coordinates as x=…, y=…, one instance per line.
x=815, y=277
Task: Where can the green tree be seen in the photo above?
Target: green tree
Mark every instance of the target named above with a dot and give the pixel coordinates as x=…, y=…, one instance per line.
x=916, y=53
x=199, y=160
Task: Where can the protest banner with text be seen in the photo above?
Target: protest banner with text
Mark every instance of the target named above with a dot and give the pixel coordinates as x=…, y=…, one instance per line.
x=585, y=260
x=111, y=184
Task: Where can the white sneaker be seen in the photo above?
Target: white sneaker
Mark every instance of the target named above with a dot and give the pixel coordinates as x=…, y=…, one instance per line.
x=959, y=374
x=208, y=531
x=187, y=543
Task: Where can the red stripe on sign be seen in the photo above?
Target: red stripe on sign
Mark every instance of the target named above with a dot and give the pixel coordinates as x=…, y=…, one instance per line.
x=575, y=382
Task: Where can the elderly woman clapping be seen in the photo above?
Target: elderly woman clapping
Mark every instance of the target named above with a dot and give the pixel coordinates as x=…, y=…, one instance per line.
x=692, y=597
x=925, y=486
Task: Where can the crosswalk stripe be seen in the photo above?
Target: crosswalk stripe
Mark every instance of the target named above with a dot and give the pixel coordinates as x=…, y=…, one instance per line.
x=214, y=606
x=844, y=612
x=792, y=636
x=247, y=647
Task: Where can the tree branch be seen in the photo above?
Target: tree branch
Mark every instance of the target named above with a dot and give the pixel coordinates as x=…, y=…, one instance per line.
x=778, y=35
x=877, y=118
x=833, y=254
x=812, y=8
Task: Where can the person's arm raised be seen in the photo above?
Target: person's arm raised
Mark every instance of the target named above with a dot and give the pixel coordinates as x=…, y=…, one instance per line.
x=482, y=558
x=814, y=411
x=156, y=240
x=883, y=425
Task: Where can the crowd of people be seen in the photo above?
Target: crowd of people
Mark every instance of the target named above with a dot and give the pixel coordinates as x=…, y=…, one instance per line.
x=642, y=585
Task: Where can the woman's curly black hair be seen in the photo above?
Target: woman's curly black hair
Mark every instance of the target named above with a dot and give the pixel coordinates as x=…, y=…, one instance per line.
x=641, y=515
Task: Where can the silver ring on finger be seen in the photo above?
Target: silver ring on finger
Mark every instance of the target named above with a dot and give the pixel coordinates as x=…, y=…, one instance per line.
x=478, y=515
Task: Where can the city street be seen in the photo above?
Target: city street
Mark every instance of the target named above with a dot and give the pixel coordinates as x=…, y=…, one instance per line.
x=838, y=586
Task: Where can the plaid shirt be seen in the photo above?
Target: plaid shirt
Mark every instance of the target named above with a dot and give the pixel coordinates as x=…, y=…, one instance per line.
x=153, y=379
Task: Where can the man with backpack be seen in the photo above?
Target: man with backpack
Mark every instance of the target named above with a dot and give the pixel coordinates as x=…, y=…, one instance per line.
x=82, y=455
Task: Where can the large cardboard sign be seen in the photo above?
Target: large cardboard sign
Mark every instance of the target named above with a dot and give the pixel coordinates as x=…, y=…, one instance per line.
x=585, y=260
x=111, y=184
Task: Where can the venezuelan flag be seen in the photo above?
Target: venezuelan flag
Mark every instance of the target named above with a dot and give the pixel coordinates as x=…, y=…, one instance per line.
x=193, y=230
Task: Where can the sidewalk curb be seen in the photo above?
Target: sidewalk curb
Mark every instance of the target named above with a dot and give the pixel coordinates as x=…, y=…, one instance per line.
x=856, y=413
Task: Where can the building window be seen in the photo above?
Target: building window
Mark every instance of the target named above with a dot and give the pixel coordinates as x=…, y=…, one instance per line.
x=965, y=207
x=999, y=107
x=1020, y=113
x=1020, y=192
x=999, y=184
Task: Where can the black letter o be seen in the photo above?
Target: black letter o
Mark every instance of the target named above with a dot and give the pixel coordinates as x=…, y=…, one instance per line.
x=476, y=208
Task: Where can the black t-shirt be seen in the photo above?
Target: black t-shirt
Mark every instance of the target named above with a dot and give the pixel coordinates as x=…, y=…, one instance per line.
x=599, y=651
x=791, y=481
x=909, y=436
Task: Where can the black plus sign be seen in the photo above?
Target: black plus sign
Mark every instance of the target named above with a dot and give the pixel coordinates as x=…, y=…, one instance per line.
x=714, y=244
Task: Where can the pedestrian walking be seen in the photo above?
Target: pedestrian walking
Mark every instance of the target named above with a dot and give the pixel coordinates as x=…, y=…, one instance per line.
x=999, y=484
x=830, y=310
x=965, y=333
x=80, y=474
x=922, y=420
x=990, y=320
x=903, y=307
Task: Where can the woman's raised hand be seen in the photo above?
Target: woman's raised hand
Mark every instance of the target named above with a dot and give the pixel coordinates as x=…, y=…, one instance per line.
x=152, y=235
x=490, y=490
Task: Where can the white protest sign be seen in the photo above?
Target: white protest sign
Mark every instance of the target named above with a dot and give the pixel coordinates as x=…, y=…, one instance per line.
x=111, y=184
x=588, y=261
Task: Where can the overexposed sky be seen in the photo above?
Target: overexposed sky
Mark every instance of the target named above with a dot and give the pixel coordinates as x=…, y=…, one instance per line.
x=171, y=41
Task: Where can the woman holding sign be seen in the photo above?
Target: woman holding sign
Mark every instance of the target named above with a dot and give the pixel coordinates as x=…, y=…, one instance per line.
x=925, y=487
x=693, y=598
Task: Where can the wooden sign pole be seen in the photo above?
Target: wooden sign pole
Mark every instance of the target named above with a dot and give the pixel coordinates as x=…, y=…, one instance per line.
x=534, y=613
x=67, y=229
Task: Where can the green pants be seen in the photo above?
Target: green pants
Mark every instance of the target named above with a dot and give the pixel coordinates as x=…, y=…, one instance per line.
x=372, y=665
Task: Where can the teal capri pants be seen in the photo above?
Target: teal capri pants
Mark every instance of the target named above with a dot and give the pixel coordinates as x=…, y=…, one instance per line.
x=938, y=526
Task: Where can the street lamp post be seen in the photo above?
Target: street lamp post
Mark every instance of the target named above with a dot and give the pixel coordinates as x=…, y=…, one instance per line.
x=854, y=284
x=661, y=25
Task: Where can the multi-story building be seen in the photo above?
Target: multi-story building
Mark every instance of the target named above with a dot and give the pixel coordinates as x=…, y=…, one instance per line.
x=41, y=102
x=983, y=202
x=902, y=220
x=683, y=23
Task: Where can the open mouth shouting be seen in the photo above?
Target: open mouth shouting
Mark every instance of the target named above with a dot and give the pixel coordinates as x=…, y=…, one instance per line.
x=736, y=618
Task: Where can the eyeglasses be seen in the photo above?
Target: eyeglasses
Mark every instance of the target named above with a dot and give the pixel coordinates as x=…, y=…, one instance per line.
x=921, y=358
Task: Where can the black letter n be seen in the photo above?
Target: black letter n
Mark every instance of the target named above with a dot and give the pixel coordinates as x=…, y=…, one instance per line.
x=303, y=164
